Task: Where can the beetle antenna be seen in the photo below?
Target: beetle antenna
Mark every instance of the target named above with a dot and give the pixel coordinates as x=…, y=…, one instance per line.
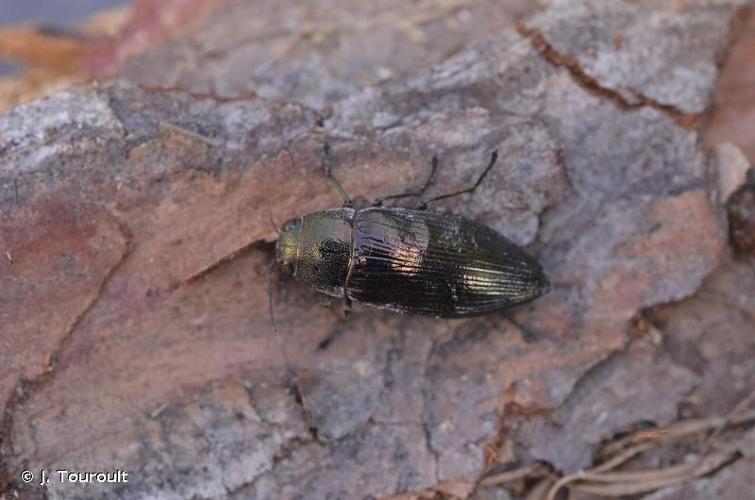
x=327, y=164
x=420, y=193
x=270, y=295
x=493, y=159
x=275, y=224
x=279, y=337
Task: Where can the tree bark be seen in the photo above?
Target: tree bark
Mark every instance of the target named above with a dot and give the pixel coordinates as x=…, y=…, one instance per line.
x=136, y=239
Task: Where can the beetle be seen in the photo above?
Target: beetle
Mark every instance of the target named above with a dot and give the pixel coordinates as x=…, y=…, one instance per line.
x=409, y=260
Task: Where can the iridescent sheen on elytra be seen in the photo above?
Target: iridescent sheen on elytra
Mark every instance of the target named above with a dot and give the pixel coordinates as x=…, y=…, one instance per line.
x=412, y=261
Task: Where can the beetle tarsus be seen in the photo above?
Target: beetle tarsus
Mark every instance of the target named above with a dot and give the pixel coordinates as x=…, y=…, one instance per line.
x=330, y=338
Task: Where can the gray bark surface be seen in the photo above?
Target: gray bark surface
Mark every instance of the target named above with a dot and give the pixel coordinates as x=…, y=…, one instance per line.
x=135, y=224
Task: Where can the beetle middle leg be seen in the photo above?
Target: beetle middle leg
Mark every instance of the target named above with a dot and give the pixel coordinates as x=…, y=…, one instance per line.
x=493, y=158
x=338, y=330
x=420, y=193
x=329, y=301
x=327, y=165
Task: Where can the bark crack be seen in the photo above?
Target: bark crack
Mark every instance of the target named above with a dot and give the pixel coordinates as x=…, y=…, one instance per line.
x=299, y=399
x=512, y=410
x=219, y=263
x=26, y=387
x=424, y=418
x=284, y=452
x=591, y=84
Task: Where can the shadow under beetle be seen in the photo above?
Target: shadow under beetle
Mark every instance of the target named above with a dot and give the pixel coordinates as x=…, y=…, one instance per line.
x=409, y=260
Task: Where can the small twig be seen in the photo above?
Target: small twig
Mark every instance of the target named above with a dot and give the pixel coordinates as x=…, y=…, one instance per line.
x=630, y=483
x=643, y=436
x=533, y=469
x=624, y=456
x=537, y=491
x=738, y=410
x=685, y=428
x=633, y=482
x=157, y=411
x=188, y=133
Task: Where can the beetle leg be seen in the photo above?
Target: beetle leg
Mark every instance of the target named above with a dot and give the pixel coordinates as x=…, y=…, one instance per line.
x=493, y=158
x=347, y=303
x=331, y=337
x=327, y=167
x=528, y=335
x=420, y=193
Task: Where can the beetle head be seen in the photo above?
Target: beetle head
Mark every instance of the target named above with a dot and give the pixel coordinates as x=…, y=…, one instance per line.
x=288, y=244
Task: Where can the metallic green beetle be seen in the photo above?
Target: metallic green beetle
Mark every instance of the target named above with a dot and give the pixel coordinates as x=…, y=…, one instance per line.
x=410, y=260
